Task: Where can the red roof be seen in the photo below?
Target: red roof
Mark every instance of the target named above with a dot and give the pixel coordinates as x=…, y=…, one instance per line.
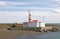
x=34, y=20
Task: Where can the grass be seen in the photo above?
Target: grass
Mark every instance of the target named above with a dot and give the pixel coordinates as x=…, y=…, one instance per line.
x=19, y=26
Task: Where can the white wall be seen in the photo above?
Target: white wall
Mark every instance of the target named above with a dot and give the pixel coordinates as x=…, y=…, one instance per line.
x=25, y=24
x=38, y=25
x=42, y=24
x=32, y=24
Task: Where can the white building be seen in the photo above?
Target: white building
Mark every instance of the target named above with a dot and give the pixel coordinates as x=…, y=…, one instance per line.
x=34, y=23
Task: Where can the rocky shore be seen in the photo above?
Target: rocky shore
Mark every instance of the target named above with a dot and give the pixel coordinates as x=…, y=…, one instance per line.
x=12, y=32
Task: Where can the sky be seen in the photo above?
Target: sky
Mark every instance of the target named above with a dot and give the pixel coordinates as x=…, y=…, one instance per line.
x=16, y=11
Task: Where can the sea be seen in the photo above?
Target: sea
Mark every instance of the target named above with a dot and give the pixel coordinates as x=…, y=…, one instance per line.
x=50, y=35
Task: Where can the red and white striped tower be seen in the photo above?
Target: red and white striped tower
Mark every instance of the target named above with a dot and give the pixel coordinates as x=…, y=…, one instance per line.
x=29, y=16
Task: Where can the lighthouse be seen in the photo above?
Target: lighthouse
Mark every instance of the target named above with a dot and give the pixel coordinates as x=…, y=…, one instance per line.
x=29, y=18
x=33, y=22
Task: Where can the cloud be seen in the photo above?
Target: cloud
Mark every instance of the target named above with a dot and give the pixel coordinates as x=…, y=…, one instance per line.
x=8, y=3
x=11, y=11
x=12, y=17
x=2, y=3
x=33, y=2
x=28, y=3
x=56, y=0
x=24, y=8
x=21, y=3
x=57, y=10
x=25, y=13
x=19, y=17
x=30, y=7
x=10, y=6
x=40, y=4
x=18, y=13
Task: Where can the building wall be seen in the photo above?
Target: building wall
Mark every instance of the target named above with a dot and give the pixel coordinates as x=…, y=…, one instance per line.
x=42, y=24
x=38, y=24
x=25, y=24
x=33, y=24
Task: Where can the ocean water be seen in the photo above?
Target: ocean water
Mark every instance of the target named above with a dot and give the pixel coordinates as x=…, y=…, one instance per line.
x=50, y=35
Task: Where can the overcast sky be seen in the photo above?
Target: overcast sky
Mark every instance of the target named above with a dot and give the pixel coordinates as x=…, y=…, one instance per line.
x=16, y=11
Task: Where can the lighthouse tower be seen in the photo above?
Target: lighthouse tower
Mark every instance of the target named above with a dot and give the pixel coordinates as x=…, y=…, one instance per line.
x=29, y=18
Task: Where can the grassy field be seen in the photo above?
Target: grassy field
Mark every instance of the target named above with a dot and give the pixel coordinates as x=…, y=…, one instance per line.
x=47, y=24
x=6, y=25
x=20, y=26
